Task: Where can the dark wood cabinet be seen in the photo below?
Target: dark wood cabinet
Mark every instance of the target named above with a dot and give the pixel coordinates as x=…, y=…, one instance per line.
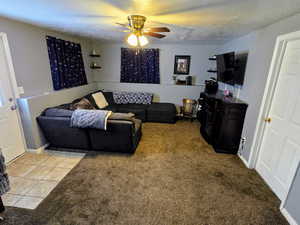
x=222, y=120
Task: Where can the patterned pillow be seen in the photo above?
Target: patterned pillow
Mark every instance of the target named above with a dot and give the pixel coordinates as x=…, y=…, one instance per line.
x=132, y=97
x=83, y=104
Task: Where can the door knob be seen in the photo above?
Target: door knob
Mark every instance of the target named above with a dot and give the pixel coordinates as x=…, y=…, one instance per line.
x=13, y=107
x=268, y=120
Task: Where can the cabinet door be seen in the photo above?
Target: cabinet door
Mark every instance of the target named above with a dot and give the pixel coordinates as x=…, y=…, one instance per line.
x=230, y=127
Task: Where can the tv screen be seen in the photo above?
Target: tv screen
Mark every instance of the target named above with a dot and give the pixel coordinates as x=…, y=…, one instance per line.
x=240, y=68
x=225, y=67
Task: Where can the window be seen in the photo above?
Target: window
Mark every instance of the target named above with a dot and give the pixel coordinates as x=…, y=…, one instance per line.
x=67, y=68
x=140, y=66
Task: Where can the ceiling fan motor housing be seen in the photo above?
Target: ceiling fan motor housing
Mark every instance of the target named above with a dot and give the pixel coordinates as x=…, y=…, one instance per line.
x=137, y=22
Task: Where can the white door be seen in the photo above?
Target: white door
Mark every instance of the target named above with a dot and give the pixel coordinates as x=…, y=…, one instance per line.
x=280, y=149
x=11, y=141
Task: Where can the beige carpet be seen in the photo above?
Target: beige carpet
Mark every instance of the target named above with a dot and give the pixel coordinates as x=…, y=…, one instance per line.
x=173, y=178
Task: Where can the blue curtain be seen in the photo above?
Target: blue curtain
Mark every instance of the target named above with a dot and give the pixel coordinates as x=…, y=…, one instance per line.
x=140, y=66
x=66, y=63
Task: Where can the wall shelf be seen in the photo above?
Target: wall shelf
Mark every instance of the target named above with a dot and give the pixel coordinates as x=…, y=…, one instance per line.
x=212, y=71
x=95, y=55
x=95, y=67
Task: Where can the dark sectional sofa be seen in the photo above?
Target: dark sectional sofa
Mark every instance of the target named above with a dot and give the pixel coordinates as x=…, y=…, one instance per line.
x=120, y=136
x=155, y=112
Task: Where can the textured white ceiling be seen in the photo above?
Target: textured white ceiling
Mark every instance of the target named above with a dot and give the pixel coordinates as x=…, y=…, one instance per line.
x=189, y=20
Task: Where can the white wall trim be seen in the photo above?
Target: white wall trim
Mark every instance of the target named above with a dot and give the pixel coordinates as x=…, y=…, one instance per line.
x=268, y=95
x=12, y=75
x=288, y=217
x=283, y=210
x=38, y=150
x=244, y=160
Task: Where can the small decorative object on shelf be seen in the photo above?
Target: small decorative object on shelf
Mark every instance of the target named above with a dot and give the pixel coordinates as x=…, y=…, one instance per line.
x=212, y=71
x=183, y=80
x=95, y=66
x=174, y=78
x=94, y=54
x=213, y=58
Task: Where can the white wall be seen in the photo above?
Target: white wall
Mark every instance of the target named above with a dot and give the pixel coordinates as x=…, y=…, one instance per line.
x=32, y=68
x=162, y=93
x=260, y=45
x=32, y=107
x=109, y=76
x=30, y=56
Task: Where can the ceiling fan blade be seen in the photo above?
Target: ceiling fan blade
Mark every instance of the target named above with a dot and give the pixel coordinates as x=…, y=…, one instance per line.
x=156, y=35
x=158, y=29
x=123, y=25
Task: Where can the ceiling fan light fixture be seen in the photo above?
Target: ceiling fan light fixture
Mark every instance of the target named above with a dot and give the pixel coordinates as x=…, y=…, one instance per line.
x=132, y=40
x=137, y=36
x=143, y=40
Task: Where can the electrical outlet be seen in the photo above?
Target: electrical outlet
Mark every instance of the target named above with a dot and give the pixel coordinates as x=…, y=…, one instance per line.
x=243, y=141
x=21, y=90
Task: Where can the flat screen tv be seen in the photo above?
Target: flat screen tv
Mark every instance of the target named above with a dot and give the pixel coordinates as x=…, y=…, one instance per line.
x=225, y=67
x=240, y=68
x=231, y=68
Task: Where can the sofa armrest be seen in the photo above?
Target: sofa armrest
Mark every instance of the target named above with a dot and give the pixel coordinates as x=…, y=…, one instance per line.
x=58, y=132
x=120, y=136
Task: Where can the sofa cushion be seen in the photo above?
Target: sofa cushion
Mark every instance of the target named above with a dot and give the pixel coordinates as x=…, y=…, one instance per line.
x=109, y=97
x=59, y=134
x=88, y=97
x=137, y=109
x=67, y=106
x=137, y=124
x=121, y=116
x=161, y=107
x=161, y=112
x=83, y=104
x=112, y=108
x=56, y=112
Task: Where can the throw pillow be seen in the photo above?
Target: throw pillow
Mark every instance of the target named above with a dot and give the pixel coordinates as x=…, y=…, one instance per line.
x=100, y=100
x=83, y=104
x=121, y=116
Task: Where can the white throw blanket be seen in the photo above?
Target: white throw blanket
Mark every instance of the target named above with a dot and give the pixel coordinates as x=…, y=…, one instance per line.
x=82, y=118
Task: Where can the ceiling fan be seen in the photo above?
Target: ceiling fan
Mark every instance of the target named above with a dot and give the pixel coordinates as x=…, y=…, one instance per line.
x=138, y=31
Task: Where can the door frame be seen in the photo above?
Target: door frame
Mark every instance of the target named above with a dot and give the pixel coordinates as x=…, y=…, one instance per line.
x=267, y=99
x=13, y=82
x=12, y=76
x=283, y=208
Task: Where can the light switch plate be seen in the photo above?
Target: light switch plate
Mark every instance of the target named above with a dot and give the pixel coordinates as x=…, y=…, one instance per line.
x=21, y=90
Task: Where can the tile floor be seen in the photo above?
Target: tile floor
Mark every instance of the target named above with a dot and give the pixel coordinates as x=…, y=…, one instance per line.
x=33, y=176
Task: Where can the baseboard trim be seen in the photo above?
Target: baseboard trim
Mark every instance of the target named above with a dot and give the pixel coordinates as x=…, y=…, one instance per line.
x=244, y=161
x=38, y=150
x=288, y=217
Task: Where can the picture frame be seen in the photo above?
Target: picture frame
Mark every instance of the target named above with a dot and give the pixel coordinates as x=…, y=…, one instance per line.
x=182, y=64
